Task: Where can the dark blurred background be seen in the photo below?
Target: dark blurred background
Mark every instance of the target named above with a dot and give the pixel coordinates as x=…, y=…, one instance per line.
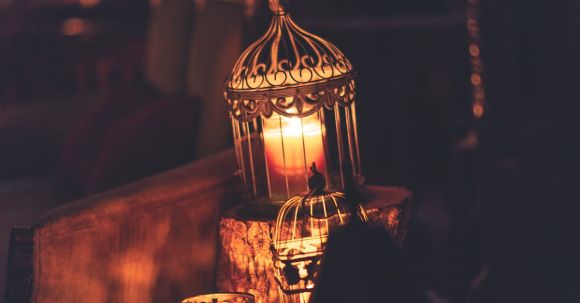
x=98, y=93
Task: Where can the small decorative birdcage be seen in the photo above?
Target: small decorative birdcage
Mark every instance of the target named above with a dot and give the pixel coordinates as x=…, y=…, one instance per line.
x=301, y=231
x=291, y=101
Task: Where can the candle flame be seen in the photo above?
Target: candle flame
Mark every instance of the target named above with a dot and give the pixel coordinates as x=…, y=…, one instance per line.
x=292, y=144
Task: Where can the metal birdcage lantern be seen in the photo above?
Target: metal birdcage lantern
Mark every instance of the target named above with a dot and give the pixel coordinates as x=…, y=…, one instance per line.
x=291, y=101
x=301, y=232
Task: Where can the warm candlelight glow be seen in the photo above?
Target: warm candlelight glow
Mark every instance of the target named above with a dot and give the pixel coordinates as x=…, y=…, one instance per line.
x=231, y=297
x=74, y=26
x=89, y=3
x=292, y=145
x=310, y=251
x=300, y=236
x=478, y=110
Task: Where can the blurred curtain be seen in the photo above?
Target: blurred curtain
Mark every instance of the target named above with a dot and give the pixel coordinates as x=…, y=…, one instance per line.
x=167, y=43
x=216, y=44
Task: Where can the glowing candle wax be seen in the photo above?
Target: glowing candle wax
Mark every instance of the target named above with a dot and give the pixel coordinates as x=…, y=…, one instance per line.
x=291, y=146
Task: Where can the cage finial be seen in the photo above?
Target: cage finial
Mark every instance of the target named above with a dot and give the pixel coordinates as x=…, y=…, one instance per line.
x=316, y=182
x=276, y=7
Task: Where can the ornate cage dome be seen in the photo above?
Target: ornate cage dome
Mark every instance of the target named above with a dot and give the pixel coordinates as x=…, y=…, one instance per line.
x=300, y=72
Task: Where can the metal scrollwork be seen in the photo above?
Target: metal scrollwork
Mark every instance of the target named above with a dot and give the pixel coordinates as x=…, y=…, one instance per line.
x=296, y=102
x=288, y=71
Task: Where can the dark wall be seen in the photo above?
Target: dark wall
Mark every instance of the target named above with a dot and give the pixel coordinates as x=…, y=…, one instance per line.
x=532, y=56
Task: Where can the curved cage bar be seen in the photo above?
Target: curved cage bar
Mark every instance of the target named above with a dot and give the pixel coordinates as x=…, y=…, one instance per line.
x=286, y=56
x=291, y=99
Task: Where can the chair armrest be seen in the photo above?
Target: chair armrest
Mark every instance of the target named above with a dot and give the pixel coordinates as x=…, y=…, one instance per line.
x=153, y=240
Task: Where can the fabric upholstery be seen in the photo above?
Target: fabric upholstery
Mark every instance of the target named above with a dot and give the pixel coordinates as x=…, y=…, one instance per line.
x=149, y=241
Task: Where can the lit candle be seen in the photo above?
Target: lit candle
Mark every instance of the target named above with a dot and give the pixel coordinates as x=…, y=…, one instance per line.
x=292, y=145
